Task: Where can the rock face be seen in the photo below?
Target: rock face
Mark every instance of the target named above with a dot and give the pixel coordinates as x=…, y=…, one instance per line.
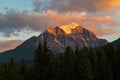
x=57, y=39
x=116, y=42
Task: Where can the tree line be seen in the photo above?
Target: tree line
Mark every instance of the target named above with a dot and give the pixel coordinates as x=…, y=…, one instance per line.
x=84, y=64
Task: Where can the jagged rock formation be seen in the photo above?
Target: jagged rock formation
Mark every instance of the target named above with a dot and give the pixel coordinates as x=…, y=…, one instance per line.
x=57, y=39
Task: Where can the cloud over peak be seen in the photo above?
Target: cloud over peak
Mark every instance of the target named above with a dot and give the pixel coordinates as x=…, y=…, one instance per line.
x=100, y=16
x=91, y=14
x=14, y=21
x=9, y=43
x=75, y=5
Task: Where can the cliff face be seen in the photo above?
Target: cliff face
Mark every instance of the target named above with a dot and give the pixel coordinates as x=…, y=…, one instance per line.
x=57, y=39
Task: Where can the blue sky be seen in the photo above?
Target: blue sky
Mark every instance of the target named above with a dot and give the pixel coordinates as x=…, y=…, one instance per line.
x=16, y=4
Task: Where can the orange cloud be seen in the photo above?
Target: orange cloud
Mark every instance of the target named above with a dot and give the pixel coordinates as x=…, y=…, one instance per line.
x=107, y=4
x=100, y=25
x=6, y=39
x=75, y=5
x=9, y=43
x=40, y=22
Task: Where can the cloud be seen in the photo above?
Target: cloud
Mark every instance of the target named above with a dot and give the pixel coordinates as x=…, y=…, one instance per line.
x=37, y=5
x=99, y=24
x=9, y=43
x=75, y=5
x=99, y=16
x=14, y=21
x=40, y=5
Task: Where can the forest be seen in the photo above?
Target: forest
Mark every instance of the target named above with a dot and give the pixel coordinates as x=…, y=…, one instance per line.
x=84, y=64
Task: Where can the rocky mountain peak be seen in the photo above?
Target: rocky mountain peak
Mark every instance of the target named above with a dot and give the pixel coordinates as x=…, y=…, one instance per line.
x=72, y=35
x=68, y=28
x=55, y=31
x=78, y=29
x=59, y=31
x=51, y=31
x=57, y=39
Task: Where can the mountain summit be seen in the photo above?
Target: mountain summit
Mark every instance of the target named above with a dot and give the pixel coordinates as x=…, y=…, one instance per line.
x=72, y=35
x=68, y=28
x=57, y=39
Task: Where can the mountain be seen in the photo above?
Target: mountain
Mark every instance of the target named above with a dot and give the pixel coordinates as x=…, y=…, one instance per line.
x=25, y=51
x=116, y=42
x=57, y=39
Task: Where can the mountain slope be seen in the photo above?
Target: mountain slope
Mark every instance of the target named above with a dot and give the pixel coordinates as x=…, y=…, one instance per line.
x=57, y=39
x=116, y=42
x=25, y=51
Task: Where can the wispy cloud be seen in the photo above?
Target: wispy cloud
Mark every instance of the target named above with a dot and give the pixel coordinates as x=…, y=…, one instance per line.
x=75, y=5
x=99, y=16
x=14, y=21
x=9, y=43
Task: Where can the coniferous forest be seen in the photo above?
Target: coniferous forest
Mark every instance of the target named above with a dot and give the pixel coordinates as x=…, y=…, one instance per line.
x=84, y=64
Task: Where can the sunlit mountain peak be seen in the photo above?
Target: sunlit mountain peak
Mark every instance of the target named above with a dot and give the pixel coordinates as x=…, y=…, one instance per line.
x=51, y=30
x=68, y=28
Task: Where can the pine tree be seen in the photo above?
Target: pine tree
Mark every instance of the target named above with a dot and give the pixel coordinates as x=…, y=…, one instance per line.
x=93, y=57
x=12, y=71
x=102, y=66
x=86, y=70
x=38, y=61
x=23, y=70
x=58, y=67
x=2, y=72
x=42, y=59
x=109, y=74
x=69, y=58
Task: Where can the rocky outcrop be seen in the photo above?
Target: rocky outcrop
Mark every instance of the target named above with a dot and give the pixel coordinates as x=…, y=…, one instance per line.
x=57, y=39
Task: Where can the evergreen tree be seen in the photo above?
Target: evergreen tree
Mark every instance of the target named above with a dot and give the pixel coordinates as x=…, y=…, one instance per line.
x=12, y=72
x=42, y=59
x=69, y=58
x=84, y=64
x=86, y=70
x=109, y=74
x=93, y=57
x=102, y=66
x=24, y=68
x=59, y=67
x=2, y=72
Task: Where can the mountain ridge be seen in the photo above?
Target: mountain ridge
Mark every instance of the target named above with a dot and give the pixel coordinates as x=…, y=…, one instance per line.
x=57, y=40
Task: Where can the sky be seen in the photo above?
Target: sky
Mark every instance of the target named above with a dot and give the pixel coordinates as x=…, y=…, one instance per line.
x=22, y=19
